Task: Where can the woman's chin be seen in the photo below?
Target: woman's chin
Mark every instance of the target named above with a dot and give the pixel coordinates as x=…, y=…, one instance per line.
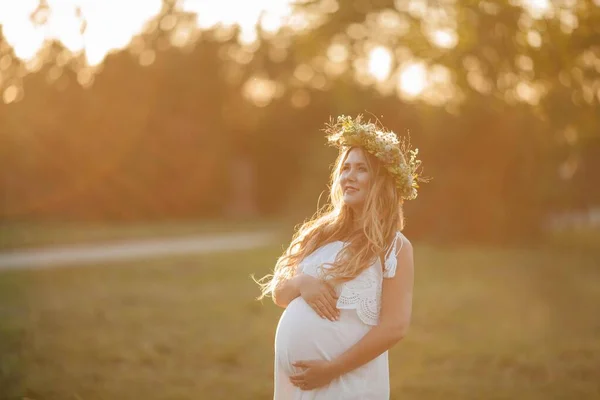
x=351, y=201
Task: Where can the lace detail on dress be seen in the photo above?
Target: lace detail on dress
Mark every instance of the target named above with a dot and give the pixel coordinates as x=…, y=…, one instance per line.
x=363, y=293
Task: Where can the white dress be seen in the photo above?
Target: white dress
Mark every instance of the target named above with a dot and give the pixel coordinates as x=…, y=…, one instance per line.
x=303, y=335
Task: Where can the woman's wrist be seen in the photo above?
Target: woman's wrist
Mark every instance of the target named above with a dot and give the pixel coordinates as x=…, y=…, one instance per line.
x=300, y=280
x=335, y=368
x=288, y=290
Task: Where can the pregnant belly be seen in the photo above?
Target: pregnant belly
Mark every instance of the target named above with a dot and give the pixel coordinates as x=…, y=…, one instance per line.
x=303, y=335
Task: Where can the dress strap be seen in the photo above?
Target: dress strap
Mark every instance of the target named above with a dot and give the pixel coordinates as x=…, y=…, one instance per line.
x=390, y=257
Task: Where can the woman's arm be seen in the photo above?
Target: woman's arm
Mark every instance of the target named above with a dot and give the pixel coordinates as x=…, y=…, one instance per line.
x=287, y=290
x=318, y=294
x=394, y=320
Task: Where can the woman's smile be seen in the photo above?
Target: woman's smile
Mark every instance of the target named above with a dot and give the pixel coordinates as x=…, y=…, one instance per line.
x=354, y=178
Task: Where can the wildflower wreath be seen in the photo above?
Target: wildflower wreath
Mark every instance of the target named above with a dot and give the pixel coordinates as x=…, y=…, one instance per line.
x=395, y=154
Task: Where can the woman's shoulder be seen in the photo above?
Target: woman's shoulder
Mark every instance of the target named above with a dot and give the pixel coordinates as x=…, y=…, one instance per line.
x=400, y=250
x=398, y=242
x=402, y=242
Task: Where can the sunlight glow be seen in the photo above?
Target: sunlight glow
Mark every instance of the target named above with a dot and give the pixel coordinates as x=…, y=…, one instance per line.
x=18, y=30
x=109, y=25
x=538, y=8
x=534, y=38
x=446, y=39
x=270, y=15
x=92, y=29
x=380, y=63
x=413, y=79
x=260, y=90
x=439, y=88
x=337, y=53
x=99, y=27
x=10, y=94
x=528, y=92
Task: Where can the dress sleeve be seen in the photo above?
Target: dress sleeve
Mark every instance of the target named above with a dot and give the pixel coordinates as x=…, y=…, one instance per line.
x=389, y=269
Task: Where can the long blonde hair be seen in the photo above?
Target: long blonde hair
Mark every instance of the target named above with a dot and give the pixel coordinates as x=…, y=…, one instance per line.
x=382, y=217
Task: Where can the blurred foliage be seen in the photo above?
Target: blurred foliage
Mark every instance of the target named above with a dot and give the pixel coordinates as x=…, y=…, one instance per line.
x=511, y=137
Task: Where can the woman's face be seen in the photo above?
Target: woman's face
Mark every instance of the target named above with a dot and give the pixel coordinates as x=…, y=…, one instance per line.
x=355, y=178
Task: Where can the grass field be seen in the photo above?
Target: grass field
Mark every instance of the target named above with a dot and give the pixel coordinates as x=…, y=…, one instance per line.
x=19, y=235
x=487, y=324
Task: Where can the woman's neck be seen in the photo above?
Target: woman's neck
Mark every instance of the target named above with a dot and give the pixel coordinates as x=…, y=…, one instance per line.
x=357, y=221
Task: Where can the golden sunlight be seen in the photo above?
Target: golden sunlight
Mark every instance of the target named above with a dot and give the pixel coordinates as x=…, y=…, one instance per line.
x=270, y=15
x=446, y=39
x=260, y=90
x=98, y=27
x=380, y=63
x=538, y=8
x=413, y=79
x=92, y=29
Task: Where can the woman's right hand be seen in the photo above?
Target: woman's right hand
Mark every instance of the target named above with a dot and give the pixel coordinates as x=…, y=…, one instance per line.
x=320, y=296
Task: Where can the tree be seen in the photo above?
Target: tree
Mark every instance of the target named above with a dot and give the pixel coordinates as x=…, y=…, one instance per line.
x=497, y=97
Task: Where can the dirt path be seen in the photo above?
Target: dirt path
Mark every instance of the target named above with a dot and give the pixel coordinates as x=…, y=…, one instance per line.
x=134, y=249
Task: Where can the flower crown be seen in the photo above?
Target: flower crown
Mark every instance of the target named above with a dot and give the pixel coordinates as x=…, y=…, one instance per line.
x=396, y=155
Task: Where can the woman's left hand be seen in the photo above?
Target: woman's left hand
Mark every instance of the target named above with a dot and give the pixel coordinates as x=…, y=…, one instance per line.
x=316, y=373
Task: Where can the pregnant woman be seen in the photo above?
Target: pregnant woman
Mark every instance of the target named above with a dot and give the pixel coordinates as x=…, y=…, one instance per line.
x=346, y=280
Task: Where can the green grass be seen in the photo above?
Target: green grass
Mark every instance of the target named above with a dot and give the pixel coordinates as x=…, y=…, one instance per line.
x=19, y=235
x=487, y=324
x=580, y=238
